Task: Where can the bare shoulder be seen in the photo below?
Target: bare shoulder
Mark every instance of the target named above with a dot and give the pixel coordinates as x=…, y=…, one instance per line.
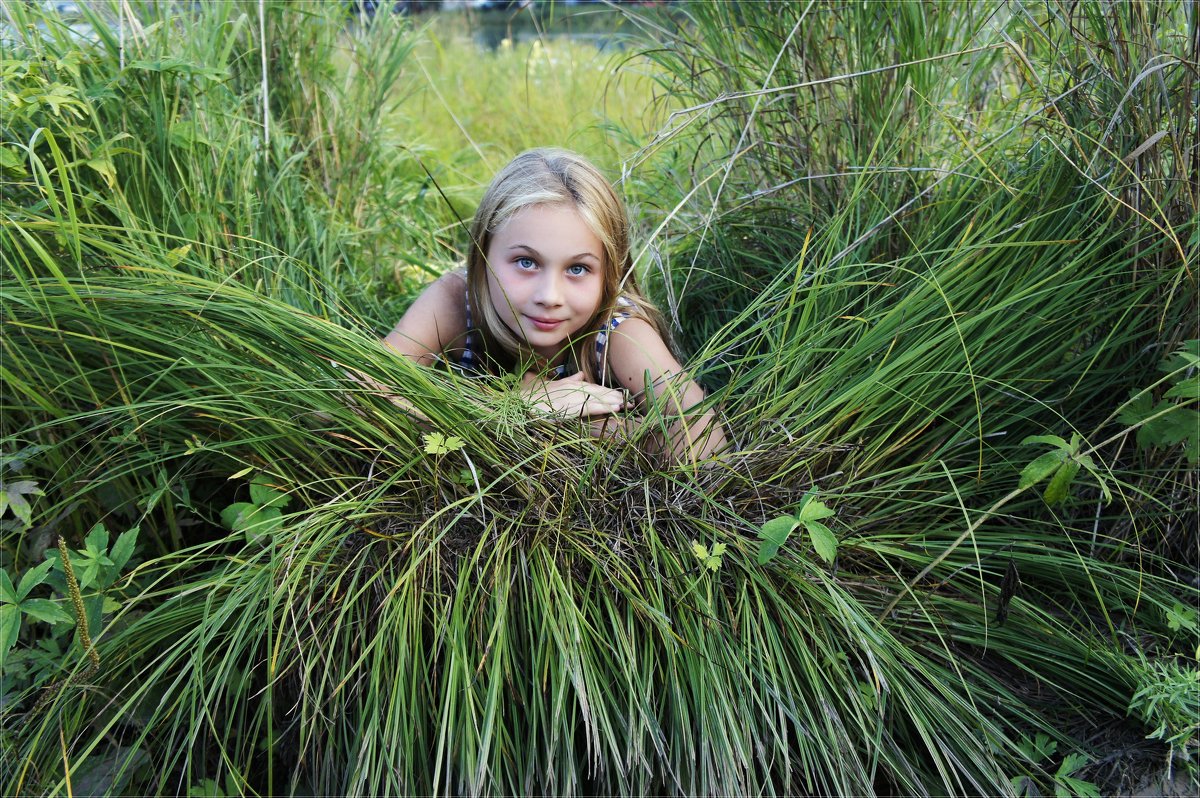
x=435, y=322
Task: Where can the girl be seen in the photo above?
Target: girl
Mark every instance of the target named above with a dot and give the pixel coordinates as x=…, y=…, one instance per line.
x=549, y=290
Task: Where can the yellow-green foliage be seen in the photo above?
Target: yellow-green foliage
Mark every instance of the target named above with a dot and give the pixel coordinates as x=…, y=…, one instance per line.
x=467, y=111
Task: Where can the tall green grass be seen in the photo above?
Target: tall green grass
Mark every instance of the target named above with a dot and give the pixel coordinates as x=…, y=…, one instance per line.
x=910, y=273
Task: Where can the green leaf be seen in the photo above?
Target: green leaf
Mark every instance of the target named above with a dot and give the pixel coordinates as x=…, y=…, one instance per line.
x=45, y=610
x=814, y=511
x=234, y=516
x=824, y=541
x=123, y=549
x=10, y=626
x=262, y=524
x=7, y=591
x=31, y=579
x=1070, y=764
x=11, y=160
x=266, y=495
x=1138, y=408
x=104, y=167
x=1060, y=484
x=777, y=530
x=436, y=443
x=1181, y=617
x=1042, y=467
x=1076, y=787
x=1186, y=356
x=1188, y=390
x=774, y=534
x=767, y=551
x=96, y=541
x=700, y=550
x=12, y=496
x=111, y=604
x=1051, y=440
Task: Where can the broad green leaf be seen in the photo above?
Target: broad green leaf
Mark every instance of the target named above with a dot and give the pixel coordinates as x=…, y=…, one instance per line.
x=777, y=530
x=32, y=578
x=767, y=551
x=712, y=563
x=96, y=541
x=7, y=591
x=719, y=549
x=1050, y=440
x=234, y=516
x=1186, y=356
x=267, y=495
x=12, y=496
x=173, y=259
x=104, y=167
x=10, y=626
x=1042, y=467
x=45, y=610
x=111, y=604
x=262, y=524
x=824, y=541
x=1060, y=484
x=123, y=549
x=11, y=160
x=1188, y=390
x=700, y=550
x=814, y=511
x=1138, y=408
x=1181, y=617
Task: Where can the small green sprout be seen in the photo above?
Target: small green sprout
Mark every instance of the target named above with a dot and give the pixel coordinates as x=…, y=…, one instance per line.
x=438, y=444
x=710, y=559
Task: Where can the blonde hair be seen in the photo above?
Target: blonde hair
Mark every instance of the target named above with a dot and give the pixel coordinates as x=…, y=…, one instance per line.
x=555, y=177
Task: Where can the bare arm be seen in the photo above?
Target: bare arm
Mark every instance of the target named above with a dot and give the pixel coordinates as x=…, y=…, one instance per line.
x=435, y=323
x=644, y=365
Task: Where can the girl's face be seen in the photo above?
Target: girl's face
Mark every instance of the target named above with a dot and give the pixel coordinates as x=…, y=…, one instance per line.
x=546, y=275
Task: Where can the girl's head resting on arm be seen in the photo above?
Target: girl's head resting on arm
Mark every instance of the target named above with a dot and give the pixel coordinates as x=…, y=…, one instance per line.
x=551, y=181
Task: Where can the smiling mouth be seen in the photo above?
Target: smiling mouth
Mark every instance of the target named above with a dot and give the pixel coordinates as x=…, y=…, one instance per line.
x=544, y=324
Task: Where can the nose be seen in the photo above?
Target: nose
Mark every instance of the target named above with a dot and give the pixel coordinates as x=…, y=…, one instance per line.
x=549, y=290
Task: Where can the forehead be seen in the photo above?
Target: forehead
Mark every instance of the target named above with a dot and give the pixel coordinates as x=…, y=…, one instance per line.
x=549, y=225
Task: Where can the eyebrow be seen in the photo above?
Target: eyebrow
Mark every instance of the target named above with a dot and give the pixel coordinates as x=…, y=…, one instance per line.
x=532, y=251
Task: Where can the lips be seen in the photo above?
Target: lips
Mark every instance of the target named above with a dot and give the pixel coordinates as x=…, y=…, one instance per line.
x=545, y=325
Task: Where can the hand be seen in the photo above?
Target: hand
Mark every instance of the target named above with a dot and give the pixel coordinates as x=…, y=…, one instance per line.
x=574, y=397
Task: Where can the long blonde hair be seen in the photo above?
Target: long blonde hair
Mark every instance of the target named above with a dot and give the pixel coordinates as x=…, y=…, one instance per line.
x=555, y=177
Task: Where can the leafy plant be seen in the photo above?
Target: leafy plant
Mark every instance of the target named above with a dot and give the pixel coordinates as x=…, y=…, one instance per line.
x=775, y=533
x=17, y=606
x=1174, y=419
x=1061, y=464
x=709, y=559
x=262, y=516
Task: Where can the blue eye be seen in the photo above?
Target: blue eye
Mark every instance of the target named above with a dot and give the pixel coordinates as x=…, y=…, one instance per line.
x=577, y=270
x=525, y=263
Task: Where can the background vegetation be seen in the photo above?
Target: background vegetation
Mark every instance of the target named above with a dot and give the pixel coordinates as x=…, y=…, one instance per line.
x=936, y=262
